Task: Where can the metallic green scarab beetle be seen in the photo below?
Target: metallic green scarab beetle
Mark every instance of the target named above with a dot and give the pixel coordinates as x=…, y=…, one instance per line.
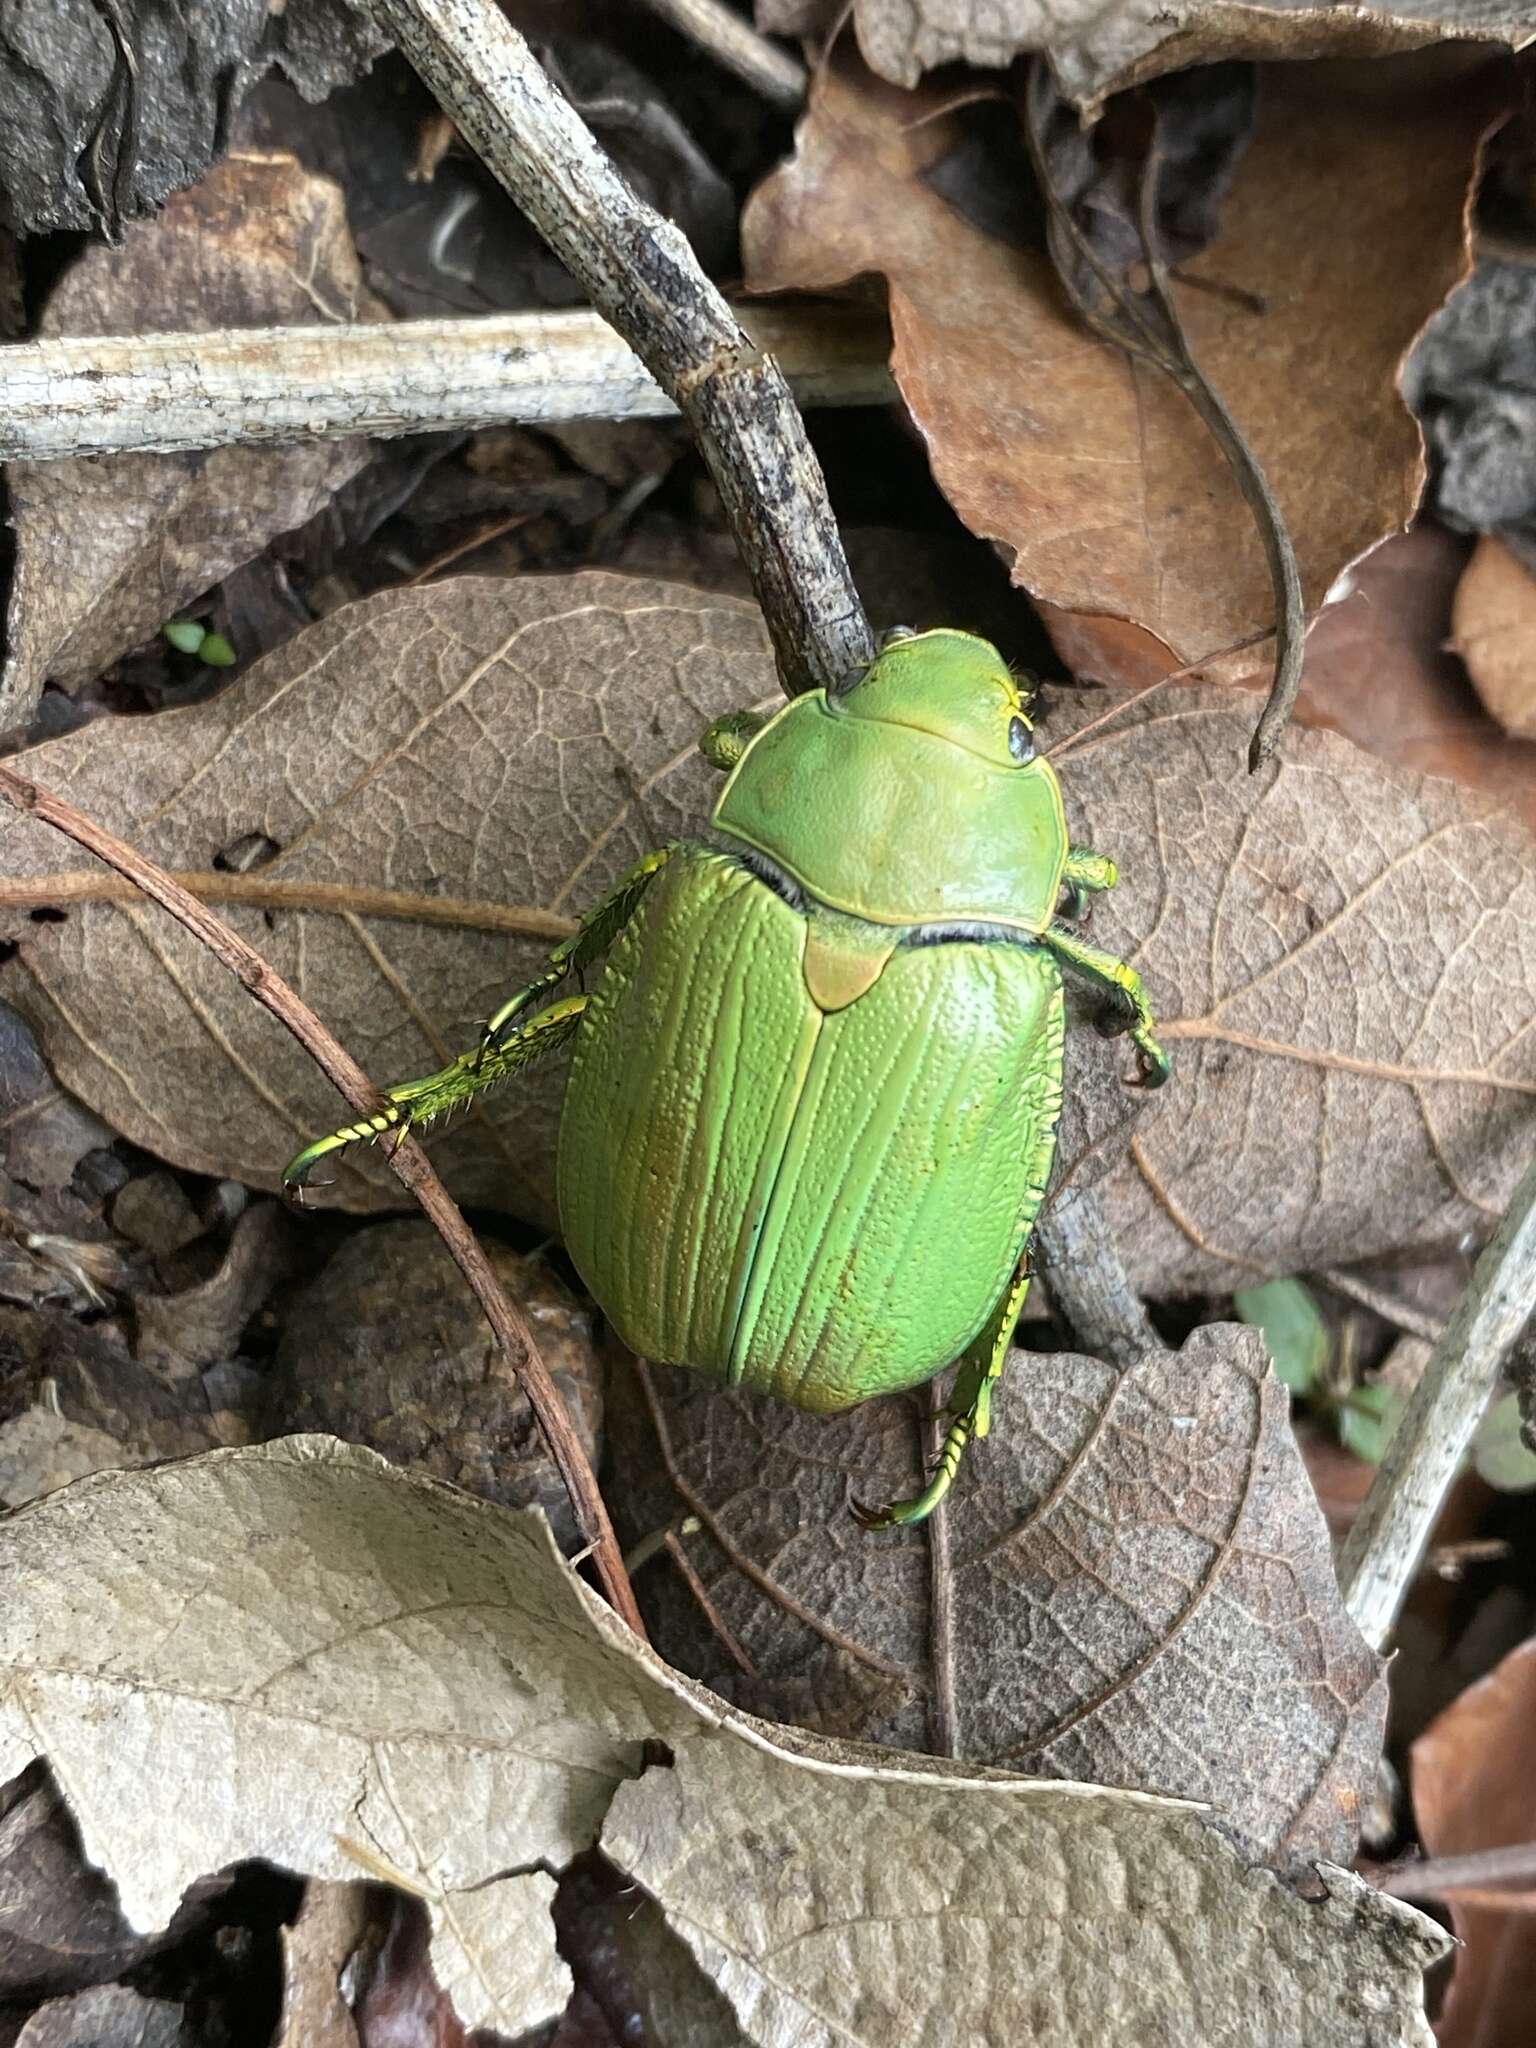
x=814, y=1095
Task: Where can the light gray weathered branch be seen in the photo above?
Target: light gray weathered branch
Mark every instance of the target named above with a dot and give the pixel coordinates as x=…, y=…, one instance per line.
x=120, y=394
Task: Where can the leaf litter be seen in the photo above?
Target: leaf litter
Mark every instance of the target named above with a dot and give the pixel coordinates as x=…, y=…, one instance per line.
x=430, y=1659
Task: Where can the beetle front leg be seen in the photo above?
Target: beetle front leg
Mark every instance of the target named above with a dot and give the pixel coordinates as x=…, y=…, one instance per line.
x=593, y=936
x=1086, y=873
x=970, y=1404
x=1124, y=984
x=723, y=743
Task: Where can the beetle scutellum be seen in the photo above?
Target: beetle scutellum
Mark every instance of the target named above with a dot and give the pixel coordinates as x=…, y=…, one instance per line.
x=813, y=1099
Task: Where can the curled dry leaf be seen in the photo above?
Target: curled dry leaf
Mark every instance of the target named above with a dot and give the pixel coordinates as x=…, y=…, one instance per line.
x=326, y=1663
x=1344, y=957
x=106, y=551
x=1472, y=1791
x=1136, y=1583
x=1096, y=49
x=1090, y=469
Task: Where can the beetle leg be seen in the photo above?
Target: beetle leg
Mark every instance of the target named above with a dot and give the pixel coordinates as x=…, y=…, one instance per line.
x=1086, y=869
x=723, y=743
x=1124, y=984
x=416, y=1102
x=970, y=1404
x=593, y=936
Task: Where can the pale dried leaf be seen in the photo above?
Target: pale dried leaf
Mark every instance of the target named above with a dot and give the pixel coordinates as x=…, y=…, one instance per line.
x=1139, y=1583
x=1097, y=48
x=1093, y=471
x=515, y=742
x=321, y=1661
x=106, y=551
x=924, y=1924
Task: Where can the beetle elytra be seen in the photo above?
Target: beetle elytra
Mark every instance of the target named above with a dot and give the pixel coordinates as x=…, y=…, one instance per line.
x=813, y=1097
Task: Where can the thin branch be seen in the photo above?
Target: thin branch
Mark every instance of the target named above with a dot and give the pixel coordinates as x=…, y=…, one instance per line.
x=945, y=1719
x=406, y=1157
x=1383, y=1548
x=262, y=891
x=106, y=394
x=1485, y=1870
x=640, y=273
x=734, y=1649
x=766, y=66
x=1088, y=1281
x=1390, y=1307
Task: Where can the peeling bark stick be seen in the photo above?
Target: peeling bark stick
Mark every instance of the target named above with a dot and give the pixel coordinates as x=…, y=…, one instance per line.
x=1382, y=1553
x=125, y=394
x=642, y=276
x=408, y=1160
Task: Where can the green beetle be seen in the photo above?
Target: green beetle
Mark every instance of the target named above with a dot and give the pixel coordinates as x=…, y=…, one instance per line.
x=813, y=1099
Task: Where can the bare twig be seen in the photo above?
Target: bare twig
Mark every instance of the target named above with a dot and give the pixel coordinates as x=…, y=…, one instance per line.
x=263, y=891
x=734, y=1649
x=406, y=1157
x=944, y=1719
x=1486, y=1870
x=105, y=394
x=766, y=66
x=1390, y=1307
x=1088, y=1281
x=1383, y=1549
x=640, y=273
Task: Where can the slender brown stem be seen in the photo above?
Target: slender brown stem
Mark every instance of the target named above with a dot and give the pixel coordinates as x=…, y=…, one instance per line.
x=734, y=1649
x=945, y=1720
x=1174, y=675
x=408, y=1161
x=264, y=891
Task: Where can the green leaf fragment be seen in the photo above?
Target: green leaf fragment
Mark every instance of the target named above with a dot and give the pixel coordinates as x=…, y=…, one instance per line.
x=1294, y=1328
x=217, y=651
x=1500, y=1454
x=185, y=635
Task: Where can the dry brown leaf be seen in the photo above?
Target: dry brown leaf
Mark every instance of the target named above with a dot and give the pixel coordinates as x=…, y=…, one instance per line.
x=106, y=551
x=918, y=1927
x=110, y=2016
x=1494, y=626
x=324, y=1662
x=1097, y=49
x=1092, y=471
x=1344, y=957
x=1474, y=1788
x=60, y=1927
x=513, y=743
x=1137, y=1580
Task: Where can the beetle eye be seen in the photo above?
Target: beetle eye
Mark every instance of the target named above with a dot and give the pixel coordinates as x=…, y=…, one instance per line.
x=1020, y=741
x=895, y=633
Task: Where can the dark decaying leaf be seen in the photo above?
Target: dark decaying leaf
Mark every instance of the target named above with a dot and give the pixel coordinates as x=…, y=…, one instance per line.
x=1495, y=634
x=1341, y=232
x=1343, y=957
x=106, y=551
x=106, y=110
x=387, y=1347
x=1096, y=50
x=1140, y=1591
x=54, y=1241
x=1473, y=1791
x=60, y=1927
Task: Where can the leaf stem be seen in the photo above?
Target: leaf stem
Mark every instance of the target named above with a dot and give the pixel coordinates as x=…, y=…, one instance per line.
x=406, y=1158
x=1383, y=1550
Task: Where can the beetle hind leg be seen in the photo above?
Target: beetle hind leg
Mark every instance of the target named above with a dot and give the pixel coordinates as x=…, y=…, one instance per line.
x=970, y=1404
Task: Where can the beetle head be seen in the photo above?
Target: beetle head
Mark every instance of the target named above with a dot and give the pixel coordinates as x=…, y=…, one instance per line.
x=950, y=684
